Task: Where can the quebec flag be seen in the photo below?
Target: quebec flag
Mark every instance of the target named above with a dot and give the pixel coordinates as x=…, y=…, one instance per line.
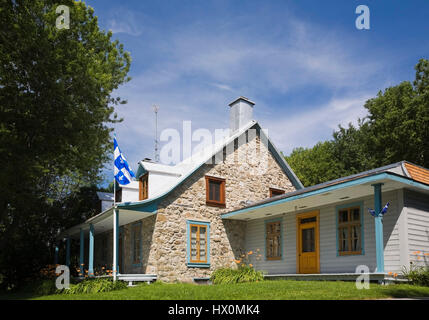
x=123, y=173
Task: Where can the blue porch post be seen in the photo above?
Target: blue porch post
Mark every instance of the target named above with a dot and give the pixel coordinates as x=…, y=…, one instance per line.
x=82, y=254
x=379, y=245
x=91, y=251
x=68, y=240
x=115, y=243
x=56, y=254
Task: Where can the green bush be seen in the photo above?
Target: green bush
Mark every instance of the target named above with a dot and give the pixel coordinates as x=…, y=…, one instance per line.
x=244, y=273
x=417, y=275
x=95, y=286
x=41, y=287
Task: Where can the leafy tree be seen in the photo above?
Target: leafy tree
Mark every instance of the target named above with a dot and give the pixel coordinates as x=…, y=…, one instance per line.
x=315, y=165
x=396, y=129
x=56, y=110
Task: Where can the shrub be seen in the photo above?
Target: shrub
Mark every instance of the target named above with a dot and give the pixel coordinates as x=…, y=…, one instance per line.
x=417, y=275
x=41, y=287
x=244, y=273
x=95, y=286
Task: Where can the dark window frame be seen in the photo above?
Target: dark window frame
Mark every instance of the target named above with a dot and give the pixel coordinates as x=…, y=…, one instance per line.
x=144, y=187
x=276, y=192
x=213, y=202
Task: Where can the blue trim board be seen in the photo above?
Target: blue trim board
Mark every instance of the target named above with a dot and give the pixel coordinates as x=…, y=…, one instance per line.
x=82, y=253
x=379, y=245
x=341, y=185
x=188, y=244
x=359, y=204
x=91, y=251
x=116, y=217
x=139, y=224
x=279, y=219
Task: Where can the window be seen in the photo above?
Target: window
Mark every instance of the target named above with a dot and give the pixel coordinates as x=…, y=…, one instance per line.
x=143, y=187
x=198, y=243
x=273, y=247
x=215, y=191
x=276, y=192
x=136, y=238
x=349, y=231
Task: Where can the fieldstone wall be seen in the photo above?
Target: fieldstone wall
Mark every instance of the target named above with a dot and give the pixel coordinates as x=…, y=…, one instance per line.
x=165, y=234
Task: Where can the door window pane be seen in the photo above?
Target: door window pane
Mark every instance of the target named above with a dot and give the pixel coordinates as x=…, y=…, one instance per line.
x=308, y=243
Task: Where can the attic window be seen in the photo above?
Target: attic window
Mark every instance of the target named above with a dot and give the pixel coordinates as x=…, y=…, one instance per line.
x=143, y=187
x=276, y=192
x=215, y=191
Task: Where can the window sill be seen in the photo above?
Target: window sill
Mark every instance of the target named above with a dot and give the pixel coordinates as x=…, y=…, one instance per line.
x=215, y=204
x=198, y=265
x=354, y=253
x=273, y=259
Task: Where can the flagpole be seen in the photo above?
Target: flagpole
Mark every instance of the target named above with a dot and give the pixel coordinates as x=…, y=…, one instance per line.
x=114, y=182
x=114, y=216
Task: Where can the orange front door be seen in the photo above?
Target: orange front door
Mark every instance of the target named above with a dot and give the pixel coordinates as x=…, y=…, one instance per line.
x=308, y=243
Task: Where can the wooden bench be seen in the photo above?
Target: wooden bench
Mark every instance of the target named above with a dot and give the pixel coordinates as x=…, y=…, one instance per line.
x=130, y=278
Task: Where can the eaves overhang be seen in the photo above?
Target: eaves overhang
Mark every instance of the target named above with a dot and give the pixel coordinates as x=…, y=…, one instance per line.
x=324, y=194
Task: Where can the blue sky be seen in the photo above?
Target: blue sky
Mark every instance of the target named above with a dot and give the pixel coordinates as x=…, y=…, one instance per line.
x=303, y=62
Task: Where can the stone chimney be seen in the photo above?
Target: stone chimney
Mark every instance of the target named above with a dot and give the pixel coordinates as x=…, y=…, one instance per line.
x=241, y=113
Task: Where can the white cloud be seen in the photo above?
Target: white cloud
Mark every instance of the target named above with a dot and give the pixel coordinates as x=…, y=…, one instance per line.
x=306, y=128
x=198, y=72
x=124, y=21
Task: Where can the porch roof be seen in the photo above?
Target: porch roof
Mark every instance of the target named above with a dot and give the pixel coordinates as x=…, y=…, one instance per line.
x=104, y=221
x=331, y=192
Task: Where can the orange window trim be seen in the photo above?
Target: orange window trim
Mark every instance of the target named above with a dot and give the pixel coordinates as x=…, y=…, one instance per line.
x=272, y=235
x=144, y=187
x=198, y=260
x=212, y=202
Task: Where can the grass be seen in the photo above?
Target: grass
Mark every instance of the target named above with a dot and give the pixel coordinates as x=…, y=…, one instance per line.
x=264, y=290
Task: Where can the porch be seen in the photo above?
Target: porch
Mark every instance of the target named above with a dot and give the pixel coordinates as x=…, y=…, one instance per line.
x=106, y=225
x=326, y=232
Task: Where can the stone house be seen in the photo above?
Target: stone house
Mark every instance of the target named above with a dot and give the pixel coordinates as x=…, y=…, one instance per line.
x=181, y=222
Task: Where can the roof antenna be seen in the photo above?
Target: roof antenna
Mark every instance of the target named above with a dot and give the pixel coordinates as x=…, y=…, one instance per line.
x=156, y=109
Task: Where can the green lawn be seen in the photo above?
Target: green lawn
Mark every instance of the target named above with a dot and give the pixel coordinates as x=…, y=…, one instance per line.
x=265, y=290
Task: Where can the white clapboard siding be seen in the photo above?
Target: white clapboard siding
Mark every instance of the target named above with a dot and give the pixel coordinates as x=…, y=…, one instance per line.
x=418, y=226
x=330, y=262
x=391, y=221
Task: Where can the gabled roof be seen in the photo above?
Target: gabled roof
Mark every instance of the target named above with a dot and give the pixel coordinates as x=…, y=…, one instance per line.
x=186, y=168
